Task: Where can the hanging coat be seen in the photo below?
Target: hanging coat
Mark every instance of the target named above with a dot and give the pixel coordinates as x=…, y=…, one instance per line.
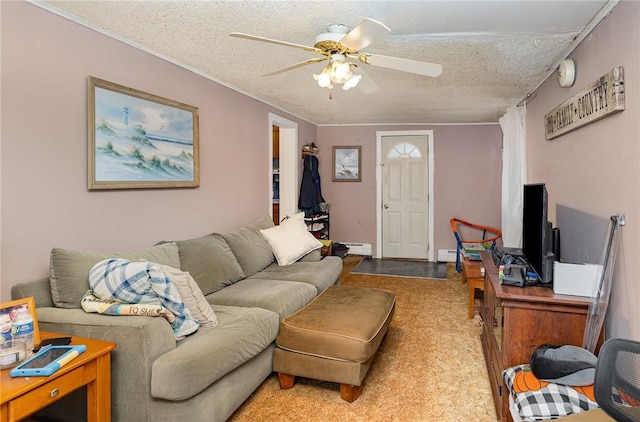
x=310, y=190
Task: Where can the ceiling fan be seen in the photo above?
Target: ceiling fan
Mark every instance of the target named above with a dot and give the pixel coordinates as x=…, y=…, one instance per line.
x=338, y=45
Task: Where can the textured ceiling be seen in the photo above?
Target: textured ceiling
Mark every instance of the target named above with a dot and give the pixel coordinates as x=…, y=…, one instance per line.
x=493, y=53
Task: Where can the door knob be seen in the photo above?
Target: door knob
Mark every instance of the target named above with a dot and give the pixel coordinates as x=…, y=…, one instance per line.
x=386, y=206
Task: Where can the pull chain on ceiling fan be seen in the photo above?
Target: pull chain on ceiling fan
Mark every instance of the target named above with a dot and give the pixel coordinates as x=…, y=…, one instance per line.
x=339, y=44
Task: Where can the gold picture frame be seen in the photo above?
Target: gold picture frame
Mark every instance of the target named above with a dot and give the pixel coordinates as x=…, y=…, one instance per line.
x=9, y=308
x=139, y=140
x=347, y=166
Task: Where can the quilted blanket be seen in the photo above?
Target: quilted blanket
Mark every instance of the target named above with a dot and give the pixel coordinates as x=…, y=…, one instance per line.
x=143, y=282
x=91, y=303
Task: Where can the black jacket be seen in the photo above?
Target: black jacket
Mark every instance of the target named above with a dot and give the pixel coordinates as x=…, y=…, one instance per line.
x=310, y=190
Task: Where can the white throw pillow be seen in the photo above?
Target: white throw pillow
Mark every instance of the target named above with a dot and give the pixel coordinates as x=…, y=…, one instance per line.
x=291, y=240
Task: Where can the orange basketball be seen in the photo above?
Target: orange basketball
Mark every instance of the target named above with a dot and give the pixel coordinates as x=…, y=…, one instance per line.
x=526, y=381
x=586, y=390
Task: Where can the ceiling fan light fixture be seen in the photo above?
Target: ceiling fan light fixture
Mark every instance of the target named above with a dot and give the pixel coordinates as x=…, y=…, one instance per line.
x=324, y=78
x=352, y=82
x=339, y=69
x=340, y=72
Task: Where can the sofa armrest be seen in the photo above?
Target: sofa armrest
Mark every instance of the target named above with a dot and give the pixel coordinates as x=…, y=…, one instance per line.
x=39, y=289
x=141, y=338
x=140, y=341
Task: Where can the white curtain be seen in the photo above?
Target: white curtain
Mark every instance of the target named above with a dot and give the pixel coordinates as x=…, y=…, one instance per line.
x=514, y=174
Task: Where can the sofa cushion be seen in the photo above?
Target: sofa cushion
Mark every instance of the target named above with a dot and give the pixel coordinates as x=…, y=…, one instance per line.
x=206, y=356
x=250, y=248
x=291, y=240
x=191, y=296
x=313, y=256
x=210, y=262
x=320, y=274
x=69, y=269
x=282, y=297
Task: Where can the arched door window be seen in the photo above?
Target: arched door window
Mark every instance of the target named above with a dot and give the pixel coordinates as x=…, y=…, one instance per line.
x=404, y=150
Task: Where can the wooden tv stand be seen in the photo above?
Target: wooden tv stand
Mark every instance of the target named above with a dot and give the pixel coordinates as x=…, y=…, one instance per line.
x=519, y=319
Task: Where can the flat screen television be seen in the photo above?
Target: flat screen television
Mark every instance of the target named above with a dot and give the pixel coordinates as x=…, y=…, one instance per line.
x=536, y=232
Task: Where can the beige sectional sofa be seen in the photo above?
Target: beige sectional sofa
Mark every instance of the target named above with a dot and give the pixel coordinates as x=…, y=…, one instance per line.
x=208, y=375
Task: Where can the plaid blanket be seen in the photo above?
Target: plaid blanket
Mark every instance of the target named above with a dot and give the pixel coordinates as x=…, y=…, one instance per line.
x=125, y=281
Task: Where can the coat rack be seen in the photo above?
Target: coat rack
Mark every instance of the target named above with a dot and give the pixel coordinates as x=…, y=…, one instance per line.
x=309, y=149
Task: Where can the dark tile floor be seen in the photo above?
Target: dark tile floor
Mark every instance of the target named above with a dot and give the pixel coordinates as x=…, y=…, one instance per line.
x=402, y=268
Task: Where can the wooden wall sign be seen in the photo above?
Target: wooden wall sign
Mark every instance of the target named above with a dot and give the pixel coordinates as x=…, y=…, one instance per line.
x=599, y=99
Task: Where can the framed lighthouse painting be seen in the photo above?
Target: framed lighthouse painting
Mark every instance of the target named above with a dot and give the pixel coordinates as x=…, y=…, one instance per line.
x=346, y=164
x=139, y=140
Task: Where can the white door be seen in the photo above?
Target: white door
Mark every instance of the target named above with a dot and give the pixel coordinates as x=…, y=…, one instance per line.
x=405, y=197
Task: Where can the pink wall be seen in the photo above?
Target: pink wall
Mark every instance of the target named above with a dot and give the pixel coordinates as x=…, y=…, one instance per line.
x=467, y=181
x=596, y=169
x=46, y=60
x=45, y=203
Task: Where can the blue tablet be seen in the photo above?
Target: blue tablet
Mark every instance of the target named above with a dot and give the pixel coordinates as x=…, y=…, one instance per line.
x=47, y=361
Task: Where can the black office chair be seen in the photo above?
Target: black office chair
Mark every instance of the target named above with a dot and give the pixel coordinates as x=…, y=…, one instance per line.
x=617, y=379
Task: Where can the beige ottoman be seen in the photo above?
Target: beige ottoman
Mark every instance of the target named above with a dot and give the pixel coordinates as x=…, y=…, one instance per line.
x=334, y=338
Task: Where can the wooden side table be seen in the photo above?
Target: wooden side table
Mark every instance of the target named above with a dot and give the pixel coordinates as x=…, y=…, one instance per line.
x=21, y=397
x=326, y=247
x=473, y=275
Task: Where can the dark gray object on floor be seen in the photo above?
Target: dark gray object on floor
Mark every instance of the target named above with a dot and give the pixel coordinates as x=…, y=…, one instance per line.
x=402, y=268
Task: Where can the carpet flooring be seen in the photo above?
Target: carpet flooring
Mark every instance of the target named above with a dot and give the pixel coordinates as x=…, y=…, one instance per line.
x=430, y=366
x=402, y=268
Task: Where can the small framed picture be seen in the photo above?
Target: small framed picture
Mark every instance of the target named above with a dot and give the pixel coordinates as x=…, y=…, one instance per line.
x=347, y=164
x=8, y=312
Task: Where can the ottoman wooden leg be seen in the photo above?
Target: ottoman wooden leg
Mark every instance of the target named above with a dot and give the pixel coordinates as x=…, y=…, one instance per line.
x=286, y=380
x=350, y=393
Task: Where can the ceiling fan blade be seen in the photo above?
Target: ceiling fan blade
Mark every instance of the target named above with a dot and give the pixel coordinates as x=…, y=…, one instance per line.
x=269, y=40
x=367, y=32
x=295, y=66
x=366, y=84
x=404, y=65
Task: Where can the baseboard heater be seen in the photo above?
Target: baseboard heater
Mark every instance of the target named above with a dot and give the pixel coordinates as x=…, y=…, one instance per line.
x=447, y=255
x=359, y=248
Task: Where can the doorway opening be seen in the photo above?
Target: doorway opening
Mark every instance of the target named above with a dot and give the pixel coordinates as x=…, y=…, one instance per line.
x=404, y=194
x=283, y=135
